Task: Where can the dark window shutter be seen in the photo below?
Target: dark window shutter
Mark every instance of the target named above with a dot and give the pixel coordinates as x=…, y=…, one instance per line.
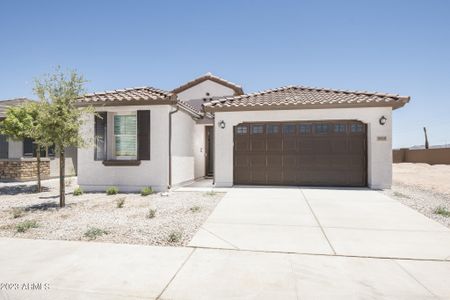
x=143, y=129
x=3, y=146
x=28, y=147
x=100, y=132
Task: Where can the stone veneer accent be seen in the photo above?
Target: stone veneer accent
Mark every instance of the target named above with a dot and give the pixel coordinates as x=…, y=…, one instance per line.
x=23, y=169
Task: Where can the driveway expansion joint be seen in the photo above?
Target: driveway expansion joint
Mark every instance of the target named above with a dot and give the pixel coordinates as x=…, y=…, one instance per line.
x=317, y=220
x=175, y=275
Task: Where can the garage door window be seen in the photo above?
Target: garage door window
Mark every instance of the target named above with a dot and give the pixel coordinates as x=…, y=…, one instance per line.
x=257, y=129
x=241, y=130
x=340, y=128
x=304, y=128
x=289, y=129
x=321, y=128
x=272, y=129
x=357, y=128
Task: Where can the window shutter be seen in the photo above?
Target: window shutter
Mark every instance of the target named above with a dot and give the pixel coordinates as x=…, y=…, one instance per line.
x=143, y=132
x=101, y=122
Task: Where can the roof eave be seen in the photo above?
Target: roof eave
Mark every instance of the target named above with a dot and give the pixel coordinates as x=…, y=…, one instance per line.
x=230, y=108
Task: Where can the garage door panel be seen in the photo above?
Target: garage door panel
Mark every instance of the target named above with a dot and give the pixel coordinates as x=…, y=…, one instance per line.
x=302, y=153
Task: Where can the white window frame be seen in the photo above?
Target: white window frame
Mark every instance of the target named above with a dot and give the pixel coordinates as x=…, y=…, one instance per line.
x=134, y=157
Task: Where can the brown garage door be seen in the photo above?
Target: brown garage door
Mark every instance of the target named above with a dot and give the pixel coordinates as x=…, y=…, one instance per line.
x=301, y=153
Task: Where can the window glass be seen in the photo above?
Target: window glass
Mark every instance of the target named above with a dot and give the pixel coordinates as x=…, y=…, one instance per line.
x=321, y=128
x=3, y=146
x=257, y=129
x=125, y=129
x=357, y=128
x=289, y=129
x=272, y=129
x=304, y=128
x=340, y=128
x=241, y=130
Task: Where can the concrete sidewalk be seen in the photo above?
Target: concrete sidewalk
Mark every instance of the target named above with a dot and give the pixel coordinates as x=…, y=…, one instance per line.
x=89, y=270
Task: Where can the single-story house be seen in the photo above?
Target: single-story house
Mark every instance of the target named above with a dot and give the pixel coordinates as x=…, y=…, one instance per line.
x=18, y=157
x=208, y=127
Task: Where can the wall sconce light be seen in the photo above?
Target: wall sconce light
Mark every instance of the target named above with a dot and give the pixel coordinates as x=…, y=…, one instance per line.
x=383, y=120
x=222, y=124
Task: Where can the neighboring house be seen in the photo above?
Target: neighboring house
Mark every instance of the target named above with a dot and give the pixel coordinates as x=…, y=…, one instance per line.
x=208, y=127
x=18, y=157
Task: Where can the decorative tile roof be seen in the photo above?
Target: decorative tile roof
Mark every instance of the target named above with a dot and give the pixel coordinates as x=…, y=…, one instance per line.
x=208, y=76
x=298, y=97
x=4, y=104
x=131, y=96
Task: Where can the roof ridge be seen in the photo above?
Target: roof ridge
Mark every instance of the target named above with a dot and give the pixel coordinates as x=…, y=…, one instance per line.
x=209, y=76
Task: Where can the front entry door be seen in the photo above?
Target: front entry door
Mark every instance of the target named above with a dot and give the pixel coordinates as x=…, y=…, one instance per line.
x=209, y=151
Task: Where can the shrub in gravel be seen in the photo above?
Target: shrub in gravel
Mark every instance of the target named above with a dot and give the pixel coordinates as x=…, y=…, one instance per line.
x=195, y=209
x=440, y=210
x=146, y=191
x=174, y=237
x=400, y=195
x=120, y=202
x=210, y=193
x=24, y=226
x=151, y=213
x=17, y=212
x=112, y=190
x=94, y=232
x=78, y=191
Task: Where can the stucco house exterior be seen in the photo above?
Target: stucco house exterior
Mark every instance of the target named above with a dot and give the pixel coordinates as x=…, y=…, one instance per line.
x=208, y=127
x=18, y=157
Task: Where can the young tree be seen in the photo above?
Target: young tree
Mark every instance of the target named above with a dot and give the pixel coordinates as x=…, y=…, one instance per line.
x=22, y=122
x=60, y=116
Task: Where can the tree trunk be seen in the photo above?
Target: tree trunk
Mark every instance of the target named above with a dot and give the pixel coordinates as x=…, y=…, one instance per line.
x=62, y=186
x=38, y=161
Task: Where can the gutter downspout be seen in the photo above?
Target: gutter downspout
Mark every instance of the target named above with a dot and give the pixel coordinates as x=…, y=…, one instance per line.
x=170, y=145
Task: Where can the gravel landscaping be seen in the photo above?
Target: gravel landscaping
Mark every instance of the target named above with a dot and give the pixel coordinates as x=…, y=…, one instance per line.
x=157, y=219
x=423, y=187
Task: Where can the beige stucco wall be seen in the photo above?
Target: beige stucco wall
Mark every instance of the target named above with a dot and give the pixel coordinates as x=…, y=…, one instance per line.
x=94, y=176
x=198, y=92
x=183, y=158
x=15, y=149
x=379, y=152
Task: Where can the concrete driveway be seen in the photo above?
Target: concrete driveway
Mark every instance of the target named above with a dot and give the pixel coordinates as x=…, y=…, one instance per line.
x=347, y=222
x=259, y=243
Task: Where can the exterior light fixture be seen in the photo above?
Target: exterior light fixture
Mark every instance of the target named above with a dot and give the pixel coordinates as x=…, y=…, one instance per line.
x=222, y=124
x=383, y=120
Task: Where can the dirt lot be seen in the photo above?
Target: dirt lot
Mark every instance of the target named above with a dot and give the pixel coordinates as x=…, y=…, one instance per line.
x=95, y=216
x=423, y=187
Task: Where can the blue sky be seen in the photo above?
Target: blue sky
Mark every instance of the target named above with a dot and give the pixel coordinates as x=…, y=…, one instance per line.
x=400, y=47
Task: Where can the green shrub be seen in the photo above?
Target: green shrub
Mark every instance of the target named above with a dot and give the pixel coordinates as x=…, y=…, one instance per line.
x=440, y=210
x=78, y=191
x=175, y=237
x=400, y=195
x=24, y=226
x=112, y=190
x=151, y=213
x=17, y=212
x=146, y=191
x=210, y=193
x=195, y=209
x=94, y=232
x=120, y=202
